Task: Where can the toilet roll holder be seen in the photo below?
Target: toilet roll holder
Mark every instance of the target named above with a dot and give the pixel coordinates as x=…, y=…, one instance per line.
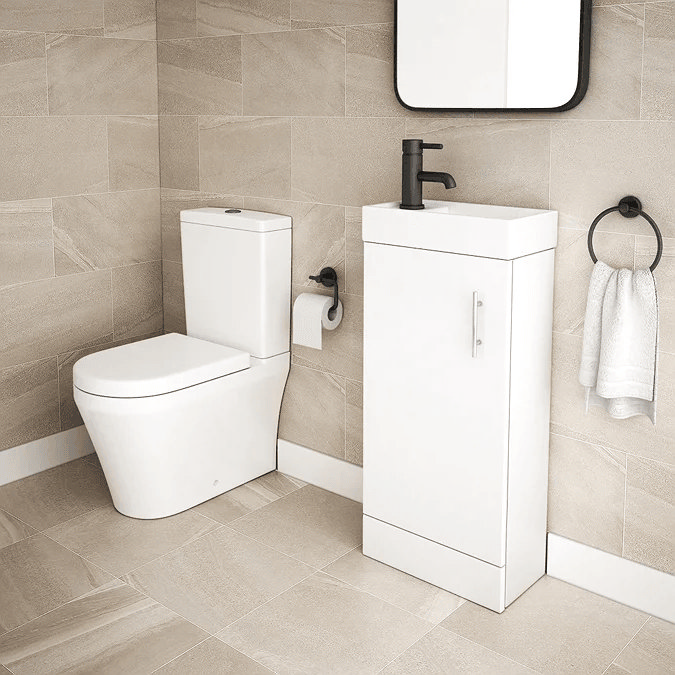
x=328, y=278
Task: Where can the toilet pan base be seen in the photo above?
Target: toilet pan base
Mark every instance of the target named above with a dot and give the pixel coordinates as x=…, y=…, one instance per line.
x=164, y=454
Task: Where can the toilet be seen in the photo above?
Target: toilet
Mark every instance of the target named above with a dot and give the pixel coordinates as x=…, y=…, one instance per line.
x=179, y=419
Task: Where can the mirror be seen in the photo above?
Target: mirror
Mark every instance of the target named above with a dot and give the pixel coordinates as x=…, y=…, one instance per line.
x=472, y=55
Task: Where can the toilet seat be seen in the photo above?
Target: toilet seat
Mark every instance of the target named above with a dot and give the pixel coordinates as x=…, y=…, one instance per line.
x=155, y=366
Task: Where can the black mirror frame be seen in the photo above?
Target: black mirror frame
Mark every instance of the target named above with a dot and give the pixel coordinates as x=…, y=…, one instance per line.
x=582, y=79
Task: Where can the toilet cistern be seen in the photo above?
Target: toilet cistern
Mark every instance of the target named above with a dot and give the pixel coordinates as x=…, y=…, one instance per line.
x=413, y=177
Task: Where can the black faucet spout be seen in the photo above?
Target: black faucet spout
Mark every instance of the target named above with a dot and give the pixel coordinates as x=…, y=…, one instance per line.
x=413, y=177
x=437, y=177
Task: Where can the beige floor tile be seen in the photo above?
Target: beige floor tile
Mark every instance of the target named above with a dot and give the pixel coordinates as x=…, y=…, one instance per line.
x=215, y=658
x=553, y=627
x=415, y=596
x=56, y=495
x=116, y=630
x=310, y=524
x=249, y=497
x=119, y=544
x=12, y=529
x=218, y=579
x=441, y=652
x=323, y=625
x=650, y=652
x=37, y=575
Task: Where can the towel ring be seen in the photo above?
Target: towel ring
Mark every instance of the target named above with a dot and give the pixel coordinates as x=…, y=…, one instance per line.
x=629, y=207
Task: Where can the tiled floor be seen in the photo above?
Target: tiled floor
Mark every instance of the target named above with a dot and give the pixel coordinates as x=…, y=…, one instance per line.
x=268, y=578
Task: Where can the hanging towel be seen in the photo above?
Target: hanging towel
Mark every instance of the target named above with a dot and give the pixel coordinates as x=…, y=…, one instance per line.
x=620, y=346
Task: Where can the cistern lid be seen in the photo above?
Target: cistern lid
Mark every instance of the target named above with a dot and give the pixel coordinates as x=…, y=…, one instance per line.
x=156, y=366
x=236, y=219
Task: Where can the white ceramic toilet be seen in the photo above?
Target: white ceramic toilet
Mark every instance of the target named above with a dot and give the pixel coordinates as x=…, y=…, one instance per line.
x=177, y=420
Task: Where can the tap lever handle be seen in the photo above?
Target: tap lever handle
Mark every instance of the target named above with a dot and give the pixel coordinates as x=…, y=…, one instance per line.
x=432, y=146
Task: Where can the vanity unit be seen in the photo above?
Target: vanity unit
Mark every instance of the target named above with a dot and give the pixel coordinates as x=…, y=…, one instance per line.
x=457, y=371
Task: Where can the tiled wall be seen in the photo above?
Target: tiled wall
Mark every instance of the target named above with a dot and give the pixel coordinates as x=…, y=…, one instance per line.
x=80, y=250
x=297, y=115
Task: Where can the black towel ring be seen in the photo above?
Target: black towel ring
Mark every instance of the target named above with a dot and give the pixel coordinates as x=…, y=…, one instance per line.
x=629, y=207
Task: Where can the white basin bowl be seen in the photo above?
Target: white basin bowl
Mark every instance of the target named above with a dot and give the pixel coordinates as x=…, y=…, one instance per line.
x=502, y=232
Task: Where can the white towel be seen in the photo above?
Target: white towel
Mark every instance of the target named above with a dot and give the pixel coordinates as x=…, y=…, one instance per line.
x=620, y=347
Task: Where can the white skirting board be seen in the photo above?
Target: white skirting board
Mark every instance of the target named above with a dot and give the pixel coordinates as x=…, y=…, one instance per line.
x=616, y=578
x=45, y=453
x=324, y=471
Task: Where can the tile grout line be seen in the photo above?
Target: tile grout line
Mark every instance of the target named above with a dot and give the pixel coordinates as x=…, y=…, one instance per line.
x=626, y=645
x=398, y=656
x=181, y=654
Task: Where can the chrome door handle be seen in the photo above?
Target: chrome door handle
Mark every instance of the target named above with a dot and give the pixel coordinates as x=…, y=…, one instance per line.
x=475, y=342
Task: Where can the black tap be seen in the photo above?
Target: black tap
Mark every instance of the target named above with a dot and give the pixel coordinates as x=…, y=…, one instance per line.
x=413, y=177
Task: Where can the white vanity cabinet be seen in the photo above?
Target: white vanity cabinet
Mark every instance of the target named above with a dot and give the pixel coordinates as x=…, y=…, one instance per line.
x=456, y=397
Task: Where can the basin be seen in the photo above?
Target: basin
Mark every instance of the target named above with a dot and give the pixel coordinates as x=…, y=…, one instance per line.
x=502, y=232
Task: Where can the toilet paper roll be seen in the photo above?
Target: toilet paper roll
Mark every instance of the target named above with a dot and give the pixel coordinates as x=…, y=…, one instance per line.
x=310, y=315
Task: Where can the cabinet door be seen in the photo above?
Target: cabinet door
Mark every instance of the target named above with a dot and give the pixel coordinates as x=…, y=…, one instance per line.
x=436, y=416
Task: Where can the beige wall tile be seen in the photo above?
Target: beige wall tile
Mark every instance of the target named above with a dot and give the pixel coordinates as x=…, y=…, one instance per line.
x=318, y=236
x=173, y=202
x=99, y=76
x=45, y=318
x=313, y=411
x=594, y=164
x=137, y=300
x=56, y=495
x=228, y=17
x=179, y=152
x=176, y=19
x=218, y=579
x=71, y=159
x=130, y=19
x=213, y=656
x=650, y=514
x=313, y=13
x=107, y=230
x=573, y=268
x=29, y=407
x=26, y=242
x=616, y=65
x=200, y=76
x=173, y=297
x=354, y=251
x=493, y=162
x=327, y=626
x=294, y=73
x=114, y=628
x=60, y=16
x=635, y=436
x=23, y=79
x=133, y=152
x=370, y=72
x=664, y=274
x=245, y=156
x=586, y=493
x=354, y=423
x=37, y=575
x=552, y=627
x=652, y=650
x=342, y=348
x=444, y=652
x=658, y=76
x=352, y=161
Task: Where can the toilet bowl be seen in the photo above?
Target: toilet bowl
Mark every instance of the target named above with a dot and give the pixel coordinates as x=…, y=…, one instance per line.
x=179, y=419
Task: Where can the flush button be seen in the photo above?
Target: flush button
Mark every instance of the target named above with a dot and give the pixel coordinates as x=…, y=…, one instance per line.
x=232, y=210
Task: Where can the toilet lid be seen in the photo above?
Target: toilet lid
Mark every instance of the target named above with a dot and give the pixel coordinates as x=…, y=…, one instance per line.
x=155, y=366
